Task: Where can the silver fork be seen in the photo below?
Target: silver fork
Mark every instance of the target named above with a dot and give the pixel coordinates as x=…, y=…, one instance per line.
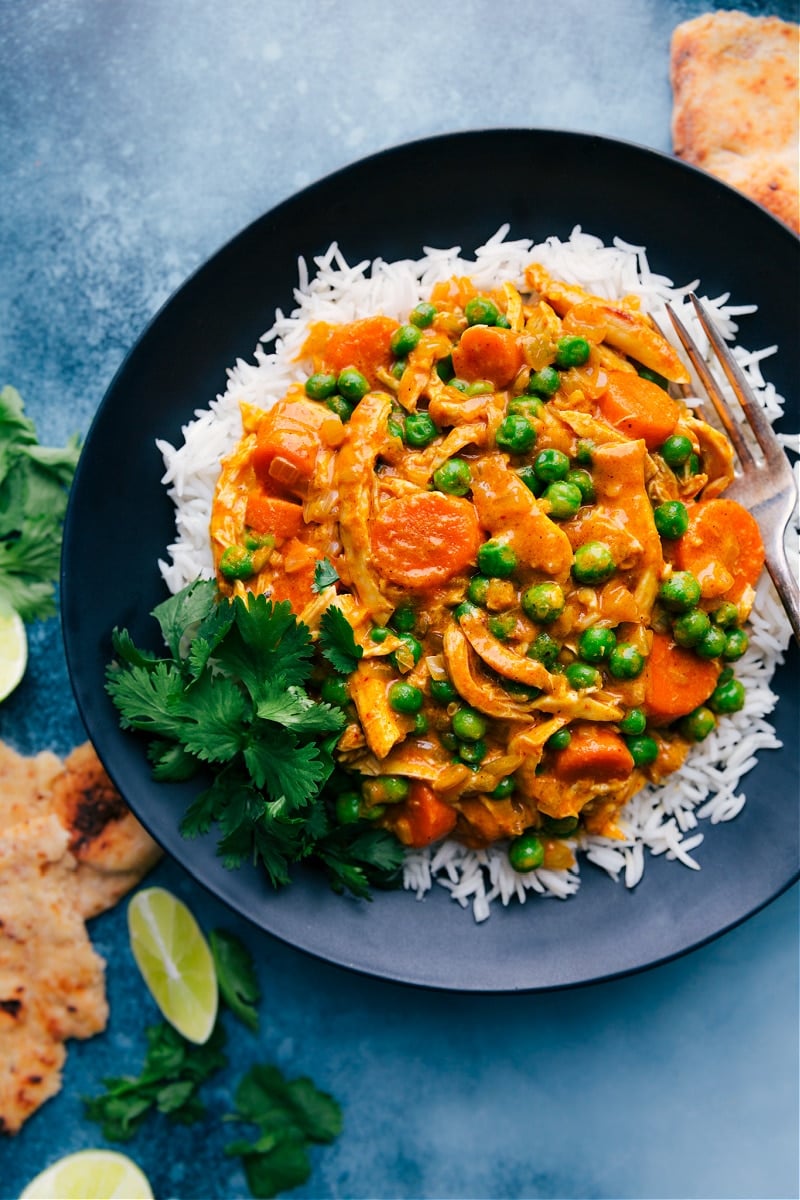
x=766, y=486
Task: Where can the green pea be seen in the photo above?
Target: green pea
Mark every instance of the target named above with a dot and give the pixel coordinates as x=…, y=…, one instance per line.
x=399, y=368
x=583, y=481
x=453, y=477
x=545, y=382
x=593, y=563
x=404, y=619
x=258, y=541
x=420, y=430
x=395, y=427
x=712, y=644
x=343, y=408
x=564, y=499
x=404, y=697
x=497, y=560
x=634, y=721
x=515, y=434
x=236, y=563
x=528, y=406
x=472, y=752
x=460, y=385
x=625, y=661
x=680, y=592
x=582, y=675
x=480, y=387
x=671, y=519
x=503, y=322
x=559, y=740
x=502, y=626
x=445, y=369
x=693, y=465
x=543, y=602
x=596, y=643
x=699, y=724
x=727, y=697
x=407, y=655
x=725, y=674
x=504, y=788
x=691, y=627
x=531, y=479
x=572, y=352
x=348, y=808
x=320, y=385
x=423, y=315
x=481, y=311
x=653, y=377
x=352, y=385
x=551, y=465
x=584, y=452
x=676, y=450
x=726, y=615
x=379, y=633
x=449, y=740
x=335, y=691
x=468, y=724
x=559, y=826
x=736, y=643
x=420, y=723
x=404, y=340
x=394, y=788
x=643, y=749
x=465, y=609
x=544, y=649
x=443, y=691
x=526, y=852
x=478, y=589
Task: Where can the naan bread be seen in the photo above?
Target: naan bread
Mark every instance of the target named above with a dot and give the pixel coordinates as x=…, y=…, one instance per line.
x=735, y=105
x=69, y=849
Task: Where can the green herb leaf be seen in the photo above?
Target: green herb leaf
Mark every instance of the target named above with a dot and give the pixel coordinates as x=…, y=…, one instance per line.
x=337, y=642
x=325, y=575
x=236, y=976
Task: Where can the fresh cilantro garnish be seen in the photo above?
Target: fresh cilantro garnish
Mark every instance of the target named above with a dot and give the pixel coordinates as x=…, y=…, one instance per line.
x=337, y=642
x=291, y=1115
x=236, y=976
x=232, y=697
x=34, y=484
x=325, y=574
x=172, y=1072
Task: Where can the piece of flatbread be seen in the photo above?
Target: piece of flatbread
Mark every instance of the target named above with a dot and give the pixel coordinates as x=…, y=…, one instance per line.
x=69, y=849
x=736, y=105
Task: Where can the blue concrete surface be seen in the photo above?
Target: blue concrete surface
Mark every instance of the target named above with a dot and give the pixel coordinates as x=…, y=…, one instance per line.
x=135, y=139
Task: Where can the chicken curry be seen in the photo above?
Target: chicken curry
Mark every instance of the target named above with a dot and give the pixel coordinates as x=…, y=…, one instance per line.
x=524, y=526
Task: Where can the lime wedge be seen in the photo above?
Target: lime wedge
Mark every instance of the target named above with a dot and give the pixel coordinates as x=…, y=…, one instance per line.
x=13, y=652
x=175, y=960
x=90, y=1175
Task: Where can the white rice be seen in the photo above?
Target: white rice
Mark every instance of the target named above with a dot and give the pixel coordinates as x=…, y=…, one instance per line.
x=661, y=820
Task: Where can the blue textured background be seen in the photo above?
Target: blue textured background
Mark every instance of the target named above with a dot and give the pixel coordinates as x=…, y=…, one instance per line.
x=136, y=136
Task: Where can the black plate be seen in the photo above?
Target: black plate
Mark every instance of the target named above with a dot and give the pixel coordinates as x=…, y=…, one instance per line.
x=443, y=191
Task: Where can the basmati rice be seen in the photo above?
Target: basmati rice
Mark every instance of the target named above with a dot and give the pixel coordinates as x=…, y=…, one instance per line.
x=662, y=820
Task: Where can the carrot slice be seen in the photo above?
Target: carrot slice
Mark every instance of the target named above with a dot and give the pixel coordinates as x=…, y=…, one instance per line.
x=638, y=408
x=422, y=540
x=287, y=444
x=365, y=345
x=488, y=352
x=268, y=514
x=676, y=680
x=594, y=752
x=722, y=548
x=424, y=818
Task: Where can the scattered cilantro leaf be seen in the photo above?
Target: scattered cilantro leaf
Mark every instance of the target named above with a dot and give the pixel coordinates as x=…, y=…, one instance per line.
x=291, y=1115
x=337, y=642
x=325, y=575
x=236, y=976
x=34, y=486
x=172, y=1072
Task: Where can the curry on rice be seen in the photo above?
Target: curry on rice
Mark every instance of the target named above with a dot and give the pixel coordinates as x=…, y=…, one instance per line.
x=523, y=524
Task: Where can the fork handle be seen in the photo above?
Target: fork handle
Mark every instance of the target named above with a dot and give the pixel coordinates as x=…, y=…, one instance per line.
x=786, y=586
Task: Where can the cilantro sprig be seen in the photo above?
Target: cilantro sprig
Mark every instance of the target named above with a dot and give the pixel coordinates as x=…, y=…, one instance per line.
x=34, y=485
x=232, y=697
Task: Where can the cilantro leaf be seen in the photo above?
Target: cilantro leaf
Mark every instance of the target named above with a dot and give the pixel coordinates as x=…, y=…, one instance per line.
x=236, y=976
x=290, y=1115
x=325, y=575
x=187, y=608
x=172, y=1072
x=337, y=642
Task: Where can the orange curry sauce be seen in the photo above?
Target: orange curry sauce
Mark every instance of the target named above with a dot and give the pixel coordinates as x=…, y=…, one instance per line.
x=499, y=634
